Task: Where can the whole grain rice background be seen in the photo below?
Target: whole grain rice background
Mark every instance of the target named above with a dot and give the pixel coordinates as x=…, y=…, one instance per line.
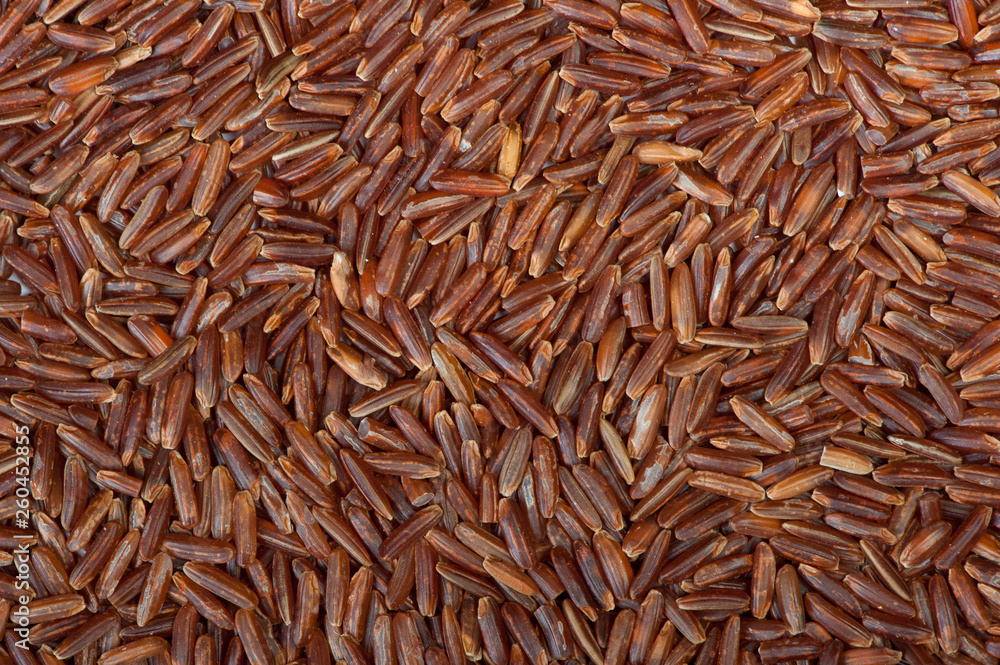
x=513, y=332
